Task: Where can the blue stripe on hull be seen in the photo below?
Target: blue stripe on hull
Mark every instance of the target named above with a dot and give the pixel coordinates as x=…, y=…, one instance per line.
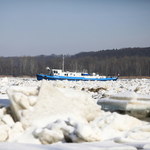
x=47, y=77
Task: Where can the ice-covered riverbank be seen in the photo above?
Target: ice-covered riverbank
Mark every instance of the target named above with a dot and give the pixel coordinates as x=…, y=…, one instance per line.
x=65, y=111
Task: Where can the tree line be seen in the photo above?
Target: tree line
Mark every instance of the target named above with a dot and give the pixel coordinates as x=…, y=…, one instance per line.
x=126, y=62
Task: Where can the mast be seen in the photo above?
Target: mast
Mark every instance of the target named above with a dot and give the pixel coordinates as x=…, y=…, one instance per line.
x=63, y=64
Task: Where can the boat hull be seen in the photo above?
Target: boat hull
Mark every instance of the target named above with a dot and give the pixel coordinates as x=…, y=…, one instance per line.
x=47, y=77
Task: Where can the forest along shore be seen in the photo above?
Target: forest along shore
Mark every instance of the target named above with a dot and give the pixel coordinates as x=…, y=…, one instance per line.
x=126, y=62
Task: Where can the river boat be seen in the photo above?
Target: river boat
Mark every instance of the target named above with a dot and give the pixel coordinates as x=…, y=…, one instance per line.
x=58, y=74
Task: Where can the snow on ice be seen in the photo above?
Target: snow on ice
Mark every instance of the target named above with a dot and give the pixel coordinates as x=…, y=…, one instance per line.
x=63, y=113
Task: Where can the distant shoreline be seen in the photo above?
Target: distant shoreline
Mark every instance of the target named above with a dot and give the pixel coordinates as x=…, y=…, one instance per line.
x=134, y=77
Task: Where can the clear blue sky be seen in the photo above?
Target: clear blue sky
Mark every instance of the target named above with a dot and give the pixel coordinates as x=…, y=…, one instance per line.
x=35, y=27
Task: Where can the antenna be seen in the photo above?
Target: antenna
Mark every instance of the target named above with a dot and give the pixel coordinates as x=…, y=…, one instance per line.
x=63, y=64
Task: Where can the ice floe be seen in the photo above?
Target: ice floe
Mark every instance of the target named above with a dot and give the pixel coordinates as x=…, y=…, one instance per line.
x=59, y=112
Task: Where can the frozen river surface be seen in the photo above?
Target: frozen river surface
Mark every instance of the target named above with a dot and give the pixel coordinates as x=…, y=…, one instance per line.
x=63, y=115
